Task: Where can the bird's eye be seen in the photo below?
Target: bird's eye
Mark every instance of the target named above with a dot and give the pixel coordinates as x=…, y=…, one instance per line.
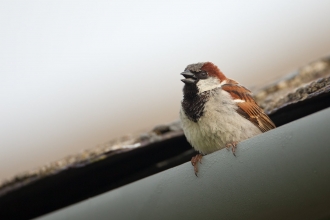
x=203, y=75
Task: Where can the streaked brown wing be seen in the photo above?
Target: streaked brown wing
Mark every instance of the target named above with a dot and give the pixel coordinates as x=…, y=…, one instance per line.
x=248, y=108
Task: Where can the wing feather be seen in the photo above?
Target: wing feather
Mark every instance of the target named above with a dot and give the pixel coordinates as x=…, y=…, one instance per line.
x=247, y=106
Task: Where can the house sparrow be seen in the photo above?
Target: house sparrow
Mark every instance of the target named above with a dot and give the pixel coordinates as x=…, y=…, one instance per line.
x=217, y=112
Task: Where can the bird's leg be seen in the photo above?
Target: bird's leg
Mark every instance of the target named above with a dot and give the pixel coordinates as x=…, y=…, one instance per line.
x=195, y=160
x=232, y=145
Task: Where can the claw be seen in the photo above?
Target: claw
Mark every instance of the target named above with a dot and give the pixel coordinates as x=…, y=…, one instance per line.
x=232, y=145
x=195, y=160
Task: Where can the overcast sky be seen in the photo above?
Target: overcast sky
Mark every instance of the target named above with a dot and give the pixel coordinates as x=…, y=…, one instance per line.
x=74, y=74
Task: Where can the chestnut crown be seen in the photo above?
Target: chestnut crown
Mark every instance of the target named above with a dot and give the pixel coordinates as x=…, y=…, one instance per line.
x=199, y=71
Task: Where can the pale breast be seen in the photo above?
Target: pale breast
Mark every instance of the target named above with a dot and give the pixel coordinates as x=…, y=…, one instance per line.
x=219, y=125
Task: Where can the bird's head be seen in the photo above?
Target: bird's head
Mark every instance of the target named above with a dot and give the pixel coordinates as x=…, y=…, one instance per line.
x=203, y=76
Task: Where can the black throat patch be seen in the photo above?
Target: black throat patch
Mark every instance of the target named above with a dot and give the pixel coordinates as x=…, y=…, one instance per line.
x=193, y=104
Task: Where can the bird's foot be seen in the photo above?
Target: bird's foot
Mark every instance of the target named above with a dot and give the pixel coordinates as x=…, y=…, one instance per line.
x=195, y=160
x=232, y=145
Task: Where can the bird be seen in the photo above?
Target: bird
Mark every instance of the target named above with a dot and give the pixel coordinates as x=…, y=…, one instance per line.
x=217, y=112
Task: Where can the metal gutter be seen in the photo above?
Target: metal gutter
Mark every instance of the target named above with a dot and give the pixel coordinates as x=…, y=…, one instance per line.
x=90, y=174
x=94, y=171
x=281, y=174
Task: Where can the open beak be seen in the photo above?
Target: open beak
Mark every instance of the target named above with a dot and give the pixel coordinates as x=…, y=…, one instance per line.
x=189, y=77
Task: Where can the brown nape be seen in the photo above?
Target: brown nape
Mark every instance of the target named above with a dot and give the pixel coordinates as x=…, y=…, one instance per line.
x=213, y=70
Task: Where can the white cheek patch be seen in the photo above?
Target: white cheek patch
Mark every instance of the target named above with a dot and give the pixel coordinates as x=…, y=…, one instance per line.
x=208, y=84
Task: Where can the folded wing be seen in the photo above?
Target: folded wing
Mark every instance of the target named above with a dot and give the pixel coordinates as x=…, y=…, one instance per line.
x=247, y=106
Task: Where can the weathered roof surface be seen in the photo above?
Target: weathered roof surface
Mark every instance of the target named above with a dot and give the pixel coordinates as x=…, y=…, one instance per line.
x=307, y=82
x=130, y=158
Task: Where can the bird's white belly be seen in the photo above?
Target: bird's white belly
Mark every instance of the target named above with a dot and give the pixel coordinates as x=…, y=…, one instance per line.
x=219, y=125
